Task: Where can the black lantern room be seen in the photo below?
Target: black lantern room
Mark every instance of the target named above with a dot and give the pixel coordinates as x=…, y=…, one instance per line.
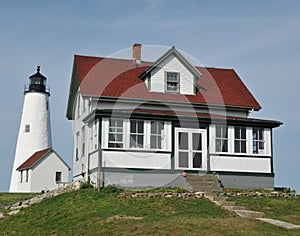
x=37, y=83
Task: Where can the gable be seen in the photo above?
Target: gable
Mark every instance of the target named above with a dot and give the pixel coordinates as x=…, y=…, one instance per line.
x=37, y=157
x=183, y=72
x=158, y=76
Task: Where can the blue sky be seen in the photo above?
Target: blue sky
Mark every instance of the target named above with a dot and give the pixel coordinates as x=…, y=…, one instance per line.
x=259, y=39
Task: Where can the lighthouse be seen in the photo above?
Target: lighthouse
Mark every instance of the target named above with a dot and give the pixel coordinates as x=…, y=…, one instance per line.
x=34, y=144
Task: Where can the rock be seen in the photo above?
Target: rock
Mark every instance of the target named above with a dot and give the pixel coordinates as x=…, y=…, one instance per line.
x=17, y=204
x=1, y=215
x=13, y=212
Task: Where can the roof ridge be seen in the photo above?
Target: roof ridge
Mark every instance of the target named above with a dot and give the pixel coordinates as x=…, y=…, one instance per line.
x=128, y=59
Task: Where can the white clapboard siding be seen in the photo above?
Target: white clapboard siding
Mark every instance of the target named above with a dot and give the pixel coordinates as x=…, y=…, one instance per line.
x=172, y=64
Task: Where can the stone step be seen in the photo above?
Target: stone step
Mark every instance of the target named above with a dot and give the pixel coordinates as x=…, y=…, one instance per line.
x=249, y=214
x=207, y=189
x=228, y=203
x=234, y=208
x=219, y=198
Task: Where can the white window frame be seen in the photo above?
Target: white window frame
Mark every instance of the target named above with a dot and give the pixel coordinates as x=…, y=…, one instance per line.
x=116, y=130
x=157, y=135
x=137, y=134
x=169, y=80
x=222, y=138
x=249, y=142
x=166, y=136
x=240, y=139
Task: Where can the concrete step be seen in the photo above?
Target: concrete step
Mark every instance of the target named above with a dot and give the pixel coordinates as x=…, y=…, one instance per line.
x=204, y=185
x=204, y=177
x=249, y=214
x=200, y=181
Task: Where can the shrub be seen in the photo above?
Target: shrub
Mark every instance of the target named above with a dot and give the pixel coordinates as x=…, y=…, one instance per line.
x=86, y=184
x=111, y=189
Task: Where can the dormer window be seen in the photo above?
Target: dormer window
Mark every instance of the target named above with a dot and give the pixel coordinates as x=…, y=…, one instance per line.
x=172, y=82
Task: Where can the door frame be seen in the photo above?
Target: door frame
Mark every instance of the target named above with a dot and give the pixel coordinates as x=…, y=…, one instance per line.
x=190, y=131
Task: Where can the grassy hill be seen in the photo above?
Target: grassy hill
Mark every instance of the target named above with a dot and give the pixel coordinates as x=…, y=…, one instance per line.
x=88, y=212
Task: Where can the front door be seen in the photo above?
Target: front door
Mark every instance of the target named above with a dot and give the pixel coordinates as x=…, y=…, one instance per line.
x=190, y=149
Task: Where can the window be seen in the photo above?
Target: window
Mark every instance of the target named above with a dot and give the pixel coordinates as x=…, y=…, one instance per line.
x=26, y=179
x=136, y=133
x=57, y=176
x=47, y=105
x=240, y=139
x=27, y=128
x=221, y=138
x=156, y=134
x=172, y=82
x=258, y=140
x=83, y=105
x=95, y=135
x=21, y=176
x=78, y=106
x=115, y=135
x=91, y=138
x=83, y=141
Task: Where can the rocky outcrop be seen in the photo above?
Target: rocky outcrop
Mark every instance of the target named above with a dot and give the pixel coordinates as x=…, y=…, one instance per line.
x=161, y=194
x=15, y=208
x=258, y=194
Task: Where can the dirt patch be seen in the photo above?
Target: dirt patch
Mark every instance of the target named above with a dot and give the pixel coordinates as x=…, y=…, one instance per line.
x=123, y=217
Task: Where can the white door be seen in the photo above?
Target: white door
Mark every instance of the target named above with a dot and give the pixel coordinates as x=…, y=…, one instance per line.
x=190, y=149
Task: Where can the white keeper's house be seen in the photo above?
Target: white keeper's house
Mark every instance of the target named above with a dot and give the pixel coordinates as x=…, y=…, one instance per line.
x=142, y=123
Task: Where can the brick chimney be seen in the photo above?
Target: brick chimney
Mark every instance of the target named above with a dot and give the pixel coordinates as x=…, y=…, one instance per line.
x=137, y=53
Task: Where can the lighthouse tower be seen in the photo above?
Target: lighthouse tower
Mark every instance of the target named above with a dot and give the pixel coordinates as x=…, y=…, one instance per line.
x=35, y=131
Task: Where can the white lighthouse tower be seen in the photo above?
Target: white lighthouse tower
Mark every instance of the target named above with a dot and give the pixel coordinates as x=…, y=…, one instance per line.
x=35, y=131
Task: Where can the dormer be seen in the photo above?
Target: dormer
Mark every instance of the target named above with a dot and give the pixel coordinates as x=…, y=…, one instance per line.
x=171, y=73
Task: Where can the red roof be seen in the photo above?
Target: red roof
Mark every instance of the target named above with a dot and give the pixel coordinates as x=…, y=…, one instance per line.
x=33, y=159
x=109, y=77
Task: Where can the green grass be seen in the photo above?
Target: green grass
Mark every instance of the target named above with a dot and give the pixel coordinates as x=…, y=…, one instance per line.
x=7, y=199
x=88, y=212
x=286, y=209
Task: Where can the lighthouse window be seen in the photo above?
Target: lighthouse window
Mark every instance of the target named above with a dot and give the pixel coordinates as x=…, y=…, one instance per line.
x=27, y=128
x=47, y=105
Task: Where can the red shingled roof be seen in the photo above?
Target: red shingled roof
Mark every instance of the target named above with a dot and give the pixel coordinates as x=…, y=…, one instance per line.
x=33, y=159
x=111, y=77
